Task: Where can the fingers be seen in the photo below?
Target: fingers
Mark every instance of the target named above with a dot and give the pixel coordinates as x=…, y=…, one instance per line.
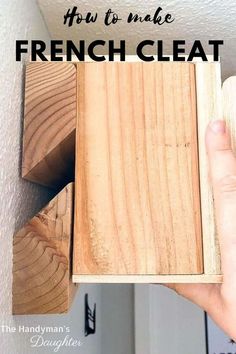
x=221, y=158
x=222, y=164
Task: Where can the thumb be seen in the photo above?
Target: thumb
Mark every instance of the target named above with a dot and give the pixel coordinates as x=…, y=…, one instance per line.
x=223, y=177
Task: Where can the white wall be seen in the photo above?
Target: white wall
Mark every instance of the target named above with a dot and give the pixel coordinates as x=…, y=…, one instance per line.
x=19, y=200
x=219, y=342
x=117, y=324
x=202, y=19
x=167, y=323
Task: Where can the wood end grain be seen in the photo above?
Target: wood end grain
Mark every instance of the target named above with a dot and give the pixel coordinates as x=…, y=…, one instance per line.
x=42, y=259
x=49, y=123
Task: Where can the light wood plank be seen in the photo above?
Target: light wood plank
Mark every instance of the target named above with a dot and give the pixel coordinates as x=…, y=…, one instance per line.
x=209, y=107
x=137, y=186
x=229, y=107
x=148, y=279
x=49, y=123
x=42, y=259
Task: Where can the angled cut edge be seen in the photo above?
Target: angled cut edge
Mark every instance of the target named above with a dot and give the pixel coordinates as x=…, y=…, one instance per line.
x=49, y=123
x=42, y=259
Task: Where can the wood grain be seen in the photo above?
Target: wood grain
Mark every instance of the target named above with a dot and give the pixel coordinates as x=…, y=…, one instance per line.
x=42, y=259
x=209, y=107
x=49, y=123
x=137, y=179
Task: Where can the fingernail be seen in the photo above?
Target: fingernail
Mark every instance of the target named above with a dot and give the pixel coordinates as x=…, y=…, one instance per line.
x=217, y=126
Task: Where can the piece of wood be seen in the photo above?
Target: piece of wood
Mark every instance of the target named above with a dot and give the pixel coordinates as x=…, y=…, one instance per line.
x=147, y=279
x=229, y=107
x=49, y=123
x=137, y=201
x=42, y=259
x=209, y=107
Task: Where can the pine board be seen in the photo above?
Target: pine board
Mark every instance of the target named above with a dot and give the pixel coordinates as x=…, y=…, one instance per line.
x=137, y=203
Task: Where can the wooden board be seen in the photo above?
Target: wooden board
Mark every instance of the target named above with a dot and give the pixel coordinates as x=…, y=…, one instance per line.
x=42, y=259
x=209, y=107
x=148, y=279
x=137, y=200
x=49, y=123
x=49, y=160
x=229, y=107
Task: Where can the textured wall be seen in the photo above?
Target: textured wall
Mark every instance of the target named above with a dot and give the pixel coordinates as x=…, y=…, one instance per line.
x=19, y=200
x=202, y=19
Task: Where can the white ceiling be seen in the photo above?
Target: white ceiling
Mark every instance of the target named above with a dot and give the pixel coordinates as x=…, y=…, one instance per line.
x=202, y=19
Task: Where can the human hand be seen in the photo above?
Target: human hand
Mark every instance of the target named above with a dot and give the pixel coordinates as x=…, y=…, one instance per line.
x=219, y=300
